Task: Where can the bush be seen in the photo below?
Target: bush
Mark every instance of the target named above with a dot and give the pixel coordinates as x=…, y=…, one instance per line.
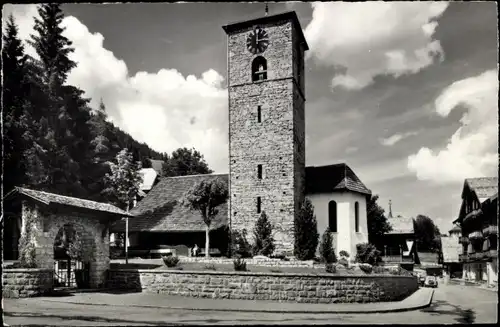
x=344, y=262
x=368, y=253
x=240, y=265
x=170, y=261
x=275, y=270
x=210, y=267
x=331, y=268
x=306, y=232
x=264, y=241
x=239, y=244
x=344, y=254
x=366, y=267
x=326, y=250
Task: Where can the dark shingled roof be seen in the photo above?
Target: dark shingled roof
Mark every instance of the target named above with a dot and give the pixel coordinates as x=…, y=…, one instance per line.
x=161, y=209
x=338, y=177
x=49, y=198
x=484, y=187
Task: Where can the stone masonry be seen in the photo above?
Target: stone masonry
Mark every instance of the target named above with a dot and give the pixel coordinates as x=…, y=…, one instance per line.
x=277, y=142
x=266, y=286
x=18, y=283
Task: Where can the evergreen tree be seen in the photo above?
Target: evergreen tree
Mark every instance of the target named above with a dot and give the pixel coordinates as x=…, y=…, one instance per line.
x=15, y=92
x=264, y=241
x=377, y=222
x=306, y=232
x=326, y=250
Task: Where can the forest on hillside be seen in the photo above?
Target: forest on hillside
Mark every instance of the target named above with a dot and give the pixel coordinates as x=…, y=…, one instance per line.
x=52, y=139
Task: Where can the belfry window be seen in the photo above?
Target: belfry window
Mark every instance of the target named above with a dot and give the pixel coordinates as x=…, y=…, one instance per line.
x=332, y=216
x=259, y=171
x=258, y=204
x=259, y=114
x=259, y=69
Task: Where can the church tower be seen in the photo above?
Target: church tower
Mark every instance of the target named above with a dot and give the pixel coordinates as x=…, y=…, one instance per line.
x=266, y=124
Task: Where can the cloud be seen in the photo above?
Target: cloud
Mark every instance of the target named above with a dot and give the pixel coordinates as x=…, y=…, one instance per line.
x=393, y=139
x=472, y=151
x=366, y=39
x=166, y=109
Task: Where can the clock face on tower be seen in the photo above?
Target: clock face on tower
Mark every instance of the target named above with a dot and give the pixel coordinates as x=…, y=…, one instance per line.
x=257, y=41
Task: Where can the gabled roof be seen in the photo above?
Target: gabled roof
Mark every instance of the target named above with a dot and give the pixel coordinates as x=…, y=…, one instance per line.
x=451, y=249
x=401, y=225
x=161, y=209
x=455, y=229
x=157, y=165
x=484, y=187
x=338, y=177
x=148, y=178
x=51, y=198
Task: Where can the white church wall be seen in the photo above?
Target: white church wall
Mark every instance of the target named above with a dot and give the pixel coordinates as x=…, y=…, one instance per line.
x=346, y=237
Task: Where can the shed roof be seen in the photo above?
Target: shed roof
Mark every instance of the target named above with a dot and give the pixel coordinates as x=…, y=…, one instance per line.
x=331, y=178
x=148, y=178
x=50, y=198
x=161, y=209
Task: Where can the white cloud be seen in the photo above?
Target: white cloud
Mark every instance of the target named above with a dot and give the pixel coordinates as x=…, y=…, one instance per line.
x=393, y=139
x=374, y=38
x=472, y=150
x=164, y=109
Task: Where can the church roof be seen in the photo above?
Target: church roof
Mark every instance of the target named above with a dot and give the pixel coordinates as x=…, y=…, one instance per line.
x=338, y=177
x=289, y=15
x=484, y=187
x=161, y=209
x=52, y=198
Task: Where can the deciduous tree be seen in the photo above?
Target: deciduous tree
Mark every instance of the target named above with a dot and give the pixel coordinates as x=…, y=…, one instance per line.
x=184, y=162
x=377, y=221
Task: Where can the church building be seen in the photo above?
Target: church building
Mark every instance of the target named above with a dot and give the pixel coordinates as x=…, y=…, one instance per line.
x=267, y=170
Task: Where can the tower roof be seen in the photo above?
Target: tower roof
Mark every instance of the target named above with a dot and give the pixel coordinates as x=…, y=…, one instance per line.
x=338, y=177
x=289, y=15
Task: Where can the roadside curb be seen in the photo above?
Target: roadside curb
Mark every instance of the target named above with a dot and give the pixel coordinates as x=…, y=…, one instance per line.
x=397, y=308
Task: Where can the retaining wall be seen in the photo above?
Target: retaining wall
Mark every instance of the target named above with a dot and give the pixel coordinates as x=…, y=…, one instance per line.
x=24, y=282
x=253, y=261
x=307, y=288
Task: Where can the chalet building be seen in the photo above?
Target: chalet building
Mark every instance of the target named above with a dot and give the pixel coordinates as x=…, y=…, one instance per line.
x=451, y=249
x=399, y=246
x=338, y=196
x=478, y=220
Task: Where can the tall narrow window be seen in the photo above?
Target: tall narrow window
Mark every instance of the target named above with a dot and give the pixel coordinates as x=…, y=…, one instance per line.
x=258, y=204
x=259, y=69
x=259, y=171
x=356, y=216
x=259, y=114
x=332, y=216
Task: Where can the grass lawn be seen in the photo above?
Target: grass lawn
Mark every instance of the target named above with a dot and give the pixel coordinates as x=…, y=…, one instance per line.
x=157, y=264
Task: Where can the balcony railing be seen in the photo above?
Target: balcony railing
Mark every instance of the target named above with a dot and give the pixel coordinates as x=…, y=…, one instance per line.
x=475, y=235
x=491, y=254
x=463, y=240
x=397, y=258
x=463, y=257
x=490, y=230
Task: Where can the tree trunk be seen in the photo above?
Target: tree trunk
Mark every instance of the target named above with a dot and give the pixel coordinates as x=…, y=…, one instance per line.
x=207, y=242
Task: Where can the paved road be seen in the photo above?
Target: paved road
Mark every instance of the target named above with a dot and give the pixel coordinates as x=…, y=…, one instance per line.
x=450, y=305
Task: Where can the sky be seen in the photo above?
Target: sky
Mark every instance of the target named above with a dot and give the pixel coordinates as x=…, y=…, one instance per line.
x=405, y=93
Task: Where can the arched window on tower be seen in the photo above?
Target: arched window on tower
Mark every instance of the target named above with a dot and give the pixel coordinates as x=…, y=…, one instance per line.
x=356, y=216
x=332, y=216
x=259, y=69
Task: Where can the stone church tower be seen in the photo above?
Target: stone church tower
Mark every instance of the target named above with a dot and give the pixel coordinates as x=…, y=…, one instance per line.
x=266, y=124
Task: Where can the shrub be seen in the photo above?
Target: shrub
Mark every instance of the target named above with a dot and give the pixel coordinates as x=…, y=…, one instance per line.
x=240, y=246
x=275, y=270
x=210, y=267
x=344, y=254
x=326, y=250
x=344, y=262
x=240, y=265
x=367, y=253
x=264, y=241
x=306, y=232
x=366, y=267
x=331, y=268
x=170, y=261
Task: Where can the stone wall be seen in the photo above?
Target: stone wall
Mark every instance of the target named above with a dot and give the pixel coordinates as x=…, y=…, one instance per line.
x=305, y=288
x=26, y=282
x=254, y=261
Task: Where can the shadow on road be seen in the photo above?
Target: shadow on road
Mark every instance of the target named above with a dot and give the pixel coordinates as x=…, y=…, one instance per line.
x=464, y=316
